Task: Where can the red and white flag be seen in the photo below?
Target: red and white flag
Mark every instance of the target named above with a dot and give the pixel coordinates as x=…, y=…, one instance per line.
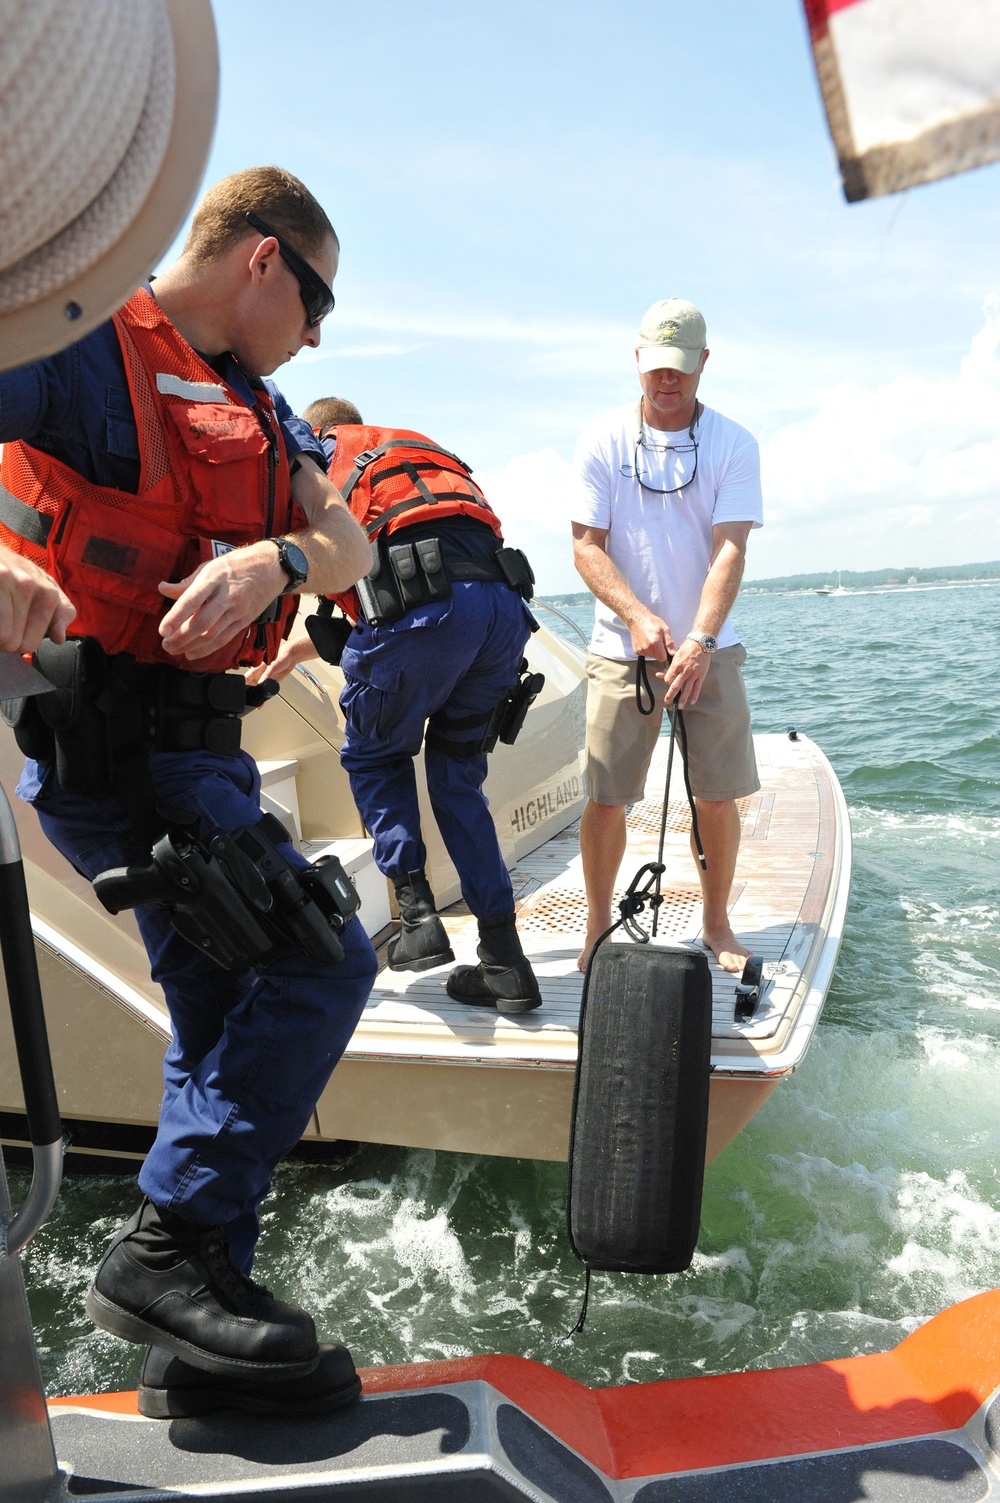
x=911, y=88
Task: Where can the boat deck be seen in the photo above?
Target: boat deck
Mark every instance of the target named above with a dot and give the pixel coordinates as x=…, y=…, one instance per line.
x=425, y=1071
x=792, y=860
x=920, y=1424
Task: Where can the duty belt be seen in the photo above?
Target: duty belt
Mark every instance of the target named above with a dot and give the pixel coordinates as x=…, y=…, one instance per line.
x=106, y=714
x=406, y=575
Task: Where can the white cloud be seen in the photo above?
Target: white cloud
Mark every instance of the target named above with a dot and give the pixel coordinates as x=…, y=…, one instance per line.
x=531, y=494
x=907, y=472
x=448, y=323
x=903, y=473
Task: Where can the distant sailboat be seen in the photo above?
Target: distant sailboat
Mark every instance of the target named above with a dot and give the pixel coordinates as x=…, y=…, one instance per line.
x=837, y=589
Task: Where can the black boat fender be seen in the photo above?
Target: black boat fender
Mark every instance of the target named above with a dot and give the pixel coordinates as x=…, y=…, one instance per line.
x=640, y=1108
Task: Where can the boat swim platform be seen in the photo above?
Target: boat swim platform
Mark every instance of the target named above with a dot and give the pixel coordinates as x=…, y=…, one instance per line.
x=919, y=1424
x=423, y=1070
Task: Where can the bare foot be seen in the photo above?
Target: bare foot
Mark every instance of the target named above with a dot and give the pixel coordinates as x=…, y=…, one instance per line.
x=731, y=954
x=594, y=933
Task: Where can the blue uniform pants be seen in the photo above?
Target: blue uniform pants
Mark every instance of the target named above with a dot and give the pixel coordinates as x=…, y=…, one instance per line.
x=454, y=658
x=251, y=1050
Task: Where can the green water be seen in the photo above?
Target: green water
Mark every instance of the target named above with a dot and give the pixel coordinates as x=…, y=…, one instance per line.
x=862, y=1199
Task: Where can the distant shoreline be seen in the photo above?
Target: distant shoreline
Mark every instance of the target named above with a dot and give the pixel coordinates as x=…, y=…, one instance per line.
x=872, y=579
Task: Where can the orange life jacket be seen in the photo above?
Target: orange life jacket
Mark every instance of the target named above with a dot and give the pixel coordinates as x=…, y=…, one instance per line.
x=212, y=470
x=392, y=478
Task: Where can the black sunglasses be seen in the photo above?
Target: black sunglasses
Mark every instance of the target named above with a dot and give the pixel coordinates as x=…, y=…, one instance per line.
x=317, y=299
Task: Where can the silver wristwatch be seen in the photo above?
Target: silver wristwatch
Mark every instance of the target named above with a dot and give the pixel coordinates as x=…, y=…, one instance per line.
x=704, y=641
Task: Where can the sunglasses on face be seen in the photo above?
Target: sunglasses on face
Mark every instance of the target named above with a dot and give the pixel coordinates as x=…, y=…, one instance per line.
x=317, y=299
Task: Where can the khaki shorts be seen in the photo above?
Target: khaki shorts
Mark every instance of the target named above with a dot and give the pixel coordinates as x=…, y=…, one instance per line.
x=620, y=741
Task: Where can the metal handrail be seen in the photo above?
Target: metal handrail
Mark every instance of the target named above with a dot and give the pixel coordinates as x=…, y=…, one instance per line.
x=31, y=1042
x=570, y=623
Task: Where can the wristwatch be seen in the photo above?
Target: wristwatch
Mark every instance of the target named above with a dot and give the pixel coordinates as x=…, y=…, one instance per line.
x=704, y=641
x=294, y=562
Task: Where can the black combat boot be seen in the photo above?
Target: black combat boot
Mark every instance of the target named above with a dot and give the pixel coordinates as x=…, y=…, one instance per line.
x=503, y=978
x=422, y=942
x=171, y=1388
x=169, y=1282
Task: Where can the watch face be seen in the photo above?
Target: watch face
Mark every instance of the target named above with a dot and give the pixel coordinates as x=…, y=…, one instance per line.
x=293, y=561
x=709, y=643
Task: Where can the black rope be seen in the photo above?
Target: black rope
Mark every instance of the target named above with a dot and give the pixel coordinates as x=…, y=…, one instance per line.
x=582, y=1317
x=644, y=691
x=695, y=835
x=643, y=687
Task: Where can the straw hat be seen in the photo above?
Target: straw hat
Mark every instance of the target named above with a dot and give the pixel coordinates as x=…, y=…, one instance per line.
x=106, y=116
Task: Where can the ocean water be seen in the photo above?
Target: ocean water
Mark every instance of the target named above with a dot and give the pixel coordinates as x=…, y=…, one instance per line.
x=862, y=1199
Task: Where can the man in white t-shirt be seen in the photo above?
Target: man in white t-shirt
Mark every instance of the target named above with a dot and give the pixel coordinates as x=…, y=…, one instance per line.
x=666, y=493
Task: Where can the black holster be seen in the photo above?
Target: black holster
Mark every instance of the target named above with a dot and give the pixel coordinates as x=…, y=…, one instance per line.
x=236, y=898
x=103, y=712
x=517, y=571
x=67, y=726
x=508, y=717
x=328, y=633
x=462, y=736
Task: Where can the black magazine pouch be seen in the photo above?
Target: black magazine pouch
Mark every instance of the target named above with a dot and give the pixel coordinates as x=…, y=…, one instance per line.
x=378, y=592
x=437, y=585
x=640, y=1108
x=403, y=563
x=420, y=572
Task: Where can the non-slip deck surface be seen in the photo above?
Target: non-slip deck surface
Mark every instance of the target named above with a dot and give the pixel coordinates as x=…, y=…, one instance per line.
x=782, y=884
x=468, y=1443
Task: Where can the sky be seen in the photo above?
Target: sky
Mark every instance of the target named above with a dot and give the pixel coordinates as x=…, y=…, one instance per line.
x=513, y=184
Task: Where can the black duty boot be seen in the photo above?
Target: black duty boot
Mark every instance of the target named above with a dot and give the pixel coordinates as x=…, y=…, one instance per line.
x=422, y=942
x=169, y=1282
x=503, y=978
x=171, y=1388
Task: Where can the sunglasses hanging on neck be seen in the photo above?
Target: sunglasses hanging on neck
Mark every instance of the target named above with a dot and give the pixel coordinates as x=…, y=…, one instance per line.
x=643, y=446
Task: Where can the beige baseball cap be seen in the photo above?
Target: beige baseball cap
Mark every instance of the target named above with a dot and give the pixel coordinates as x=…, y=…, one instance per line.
x=671, y=336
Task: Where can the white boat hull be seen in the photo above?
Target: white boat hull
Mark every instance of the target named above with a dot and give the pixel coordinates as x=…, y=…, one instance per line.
x=422, y=1070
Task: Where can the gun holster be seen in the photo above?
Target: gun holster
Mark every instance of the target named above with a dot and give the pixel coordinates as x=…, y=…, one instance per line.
x=236, y=898
x=508, y=717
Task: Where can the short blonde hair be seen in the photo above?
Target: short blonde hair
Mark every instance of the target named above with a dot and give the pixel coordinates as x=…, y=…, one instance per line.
x=326, y=412
x=284, y=203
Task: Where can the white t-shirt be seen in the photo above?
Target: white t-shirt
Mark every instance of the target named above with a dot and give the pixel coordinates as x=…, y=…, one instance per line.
x=662, y=544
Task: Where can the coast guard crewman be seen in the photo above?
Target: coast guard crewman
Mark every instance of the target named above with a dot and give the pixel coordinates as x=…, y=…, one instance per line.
x=431, y=674
x=181, y=506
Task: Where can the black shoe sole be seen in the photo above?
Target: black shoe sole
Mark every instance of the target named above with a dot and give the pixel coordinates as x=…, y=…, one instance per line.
x=502, y=1004
x=183, y=1403
x=131, y=1327
x=425, y=963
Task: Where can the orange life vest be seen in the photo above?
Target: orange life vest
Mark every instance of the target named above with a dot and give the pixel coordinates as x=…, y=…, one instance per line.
x=212, y=470
x=392, y=478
